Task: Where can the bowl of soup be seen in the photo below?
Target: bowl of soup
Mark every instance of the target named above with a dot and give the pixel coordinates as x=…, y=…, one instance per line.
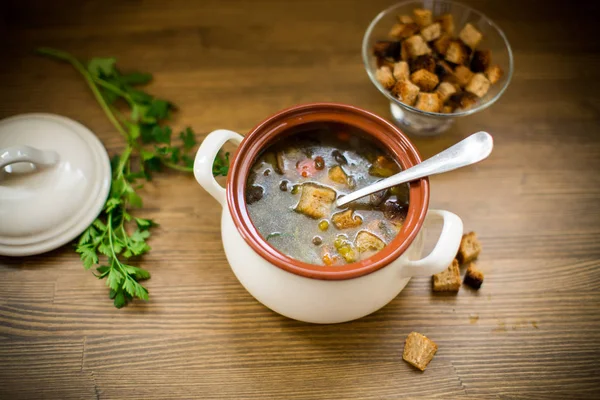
x=287, y=242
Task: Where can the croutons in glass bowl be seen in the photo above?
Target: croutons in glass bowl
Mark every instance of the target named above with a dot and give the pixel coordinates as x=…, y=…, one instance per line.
x=436, y=60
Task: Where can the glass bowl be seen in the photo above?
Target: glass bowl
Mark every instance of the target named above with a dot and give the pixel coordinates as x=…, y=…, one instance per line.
x=423, y=123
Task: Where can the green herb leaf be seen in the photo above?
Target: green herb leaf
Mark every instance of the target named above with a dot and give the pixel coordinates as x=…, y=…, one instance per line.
x=136, y=78
x=140, y=97
x=88, y=255
x=102, y=66
x=114, y=279
x=161, y=134
x=120, y=300
x=221, y=165
x=159, y=109
x=188, y=138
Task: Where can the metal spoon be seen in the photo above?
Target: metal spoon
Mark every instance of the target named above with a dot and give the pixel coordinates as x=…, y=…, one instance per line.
x=466, y=152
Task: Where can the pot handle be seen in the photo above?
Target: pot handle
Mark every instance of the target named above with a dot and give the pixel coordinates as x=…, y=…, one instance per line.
x=445, y=249
x=205, y=157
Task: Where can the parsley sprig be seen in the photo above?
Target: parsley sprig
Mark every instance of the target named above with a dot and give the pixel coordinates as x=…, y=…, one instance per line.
x=116, y=235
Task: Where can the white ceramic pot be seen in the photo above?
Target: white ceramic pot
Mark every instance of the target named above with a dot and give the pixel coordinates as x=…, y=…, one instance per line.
x=313, y=293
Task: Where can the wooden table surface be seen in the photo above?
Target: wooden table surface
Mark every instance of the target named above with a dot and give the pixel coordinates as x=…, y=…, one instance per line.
x=532, y=331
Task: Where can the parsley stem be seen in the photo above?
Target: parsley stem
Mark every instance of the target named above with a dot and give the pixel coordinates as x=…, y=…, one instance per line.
x=176, y=166
x=64, y=56
x=114, y=89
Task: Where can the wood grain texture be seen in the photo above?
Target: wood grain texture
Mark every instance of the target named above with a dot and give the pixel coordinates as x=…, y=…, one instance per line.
x=532, y=331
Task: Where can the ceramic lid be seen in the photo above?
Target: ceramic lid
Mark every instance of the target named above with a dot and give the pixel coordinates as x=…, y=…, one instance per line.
x=56, y=189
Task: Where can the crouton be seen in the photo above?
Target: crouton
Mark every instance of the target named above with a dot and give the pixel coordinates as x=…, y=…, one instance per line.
x=430, y=102
x=416, y=46
x=447, y=280
x=442, y=43
x=401, y=31
x=470, y=36
x=444, y=70
x=396, y=31
x=315, y=200
x=338, y=175
x=457, y=52
x=493, y=73
x=385, y=77
x=463, y=100
x=447, y=109
x=345, y=219
x=424, y=79
x=432, y=32
x=445, y=90
x=385, y=62
x=422, y=17
x=366, y=241
x=280, y=162
x=481, y=60
x=401, y=71
x=405, y=19
x=473, y=277
x=447, y=23
x=463, y=75
x=406, y=92
x=426, y=61
x=418, y=350
x=385, y=49
x=469, y=248
x=479, y=85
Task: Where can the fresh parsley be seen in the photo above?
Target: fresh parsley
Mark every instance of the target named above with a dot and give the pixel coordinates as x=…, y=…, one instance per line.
x=116, y=235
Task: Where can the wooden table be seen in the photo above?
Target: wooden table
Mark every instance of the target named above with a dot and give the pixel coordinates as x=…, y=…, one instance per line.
x=532, y=331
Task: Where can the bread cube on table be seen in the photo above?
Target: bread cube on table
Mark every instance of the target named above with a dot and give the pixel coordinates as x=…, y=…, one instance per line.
x=445, y=90
x=469, y=248
x=479, y=85
x=481, y=60
x=425, y=80
x=442, y=43
x=385, y=77
x=346, y=219
x=447, y=280
x=401, y=71
x=432, y=32
x=447, y=23
x=315, y=200
x=430, y=102
x=418, y=350
x=463, y=75
x=473, y=277
x=416, y=46
x=457, y=52
x=470, y=36
x=406, y=92
x=426, y=61
x=493, y=73
x=367, y=241
x=422, y=17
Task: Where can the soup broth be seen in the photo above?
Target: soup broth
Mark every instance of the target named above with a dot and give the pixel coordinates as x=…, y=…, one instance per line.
x=293, y=184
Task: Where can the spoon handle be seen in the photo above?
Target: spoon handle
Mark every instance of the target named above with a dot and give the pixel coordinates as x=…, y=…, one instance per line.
x=466, y=152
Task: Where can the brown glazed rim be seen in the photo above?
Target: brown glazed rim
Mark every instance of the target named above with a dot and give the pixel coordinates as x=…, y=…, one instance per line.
x=384, y=133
